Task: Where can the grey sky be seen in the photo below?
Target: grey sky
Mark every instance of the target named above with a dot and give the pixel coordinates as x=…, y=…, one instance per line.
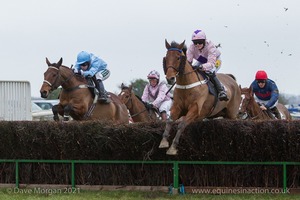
x=129, y=35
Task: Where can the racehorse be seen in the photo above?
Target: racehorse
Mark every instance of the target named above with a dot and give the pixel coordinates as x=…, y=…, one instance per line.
x=76, y=99
x=192, y=99
x=250, y=108
x=135, y=105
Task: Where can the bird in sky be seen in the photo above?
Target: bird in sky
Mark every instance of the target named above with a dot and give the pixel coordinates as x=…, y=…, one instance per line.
x=285, y=9
x=218, y=45
x=266, y=43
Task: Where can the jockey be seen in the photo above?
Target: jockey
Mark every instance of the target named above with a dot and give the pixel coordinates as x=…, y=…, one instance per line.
x=155, y=94
x=89, y=65
x=203, y=54
x=266, y=92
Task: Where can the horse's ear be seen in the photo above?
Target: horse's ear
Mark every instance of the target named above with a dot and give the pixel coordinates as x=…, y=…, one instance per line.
x=130, y=87
x=181, y=45
x=240, y=87
x=60, y=62
x=47, y=61
x=168, y=46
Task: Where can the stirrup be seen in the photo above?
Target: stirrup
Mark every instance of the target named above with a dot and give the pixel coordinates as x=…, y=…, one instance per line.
x=223, y=96
x=103, y=99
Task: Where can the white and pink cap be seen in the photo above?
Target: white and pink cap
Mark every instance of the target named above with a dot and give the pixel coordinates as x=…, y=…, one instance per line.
x=198, y=35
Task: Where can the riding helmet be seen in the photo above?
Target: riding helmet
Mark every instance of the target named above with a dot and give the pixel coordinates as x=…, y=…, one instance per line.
x=198, y=35
x=261, y=75
x=83, y=57
x=153, y=75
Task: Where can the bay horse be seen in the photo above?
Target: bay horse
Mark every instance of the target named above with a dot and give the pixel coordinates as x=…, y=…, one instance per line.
x=76, y=99
x=192, y=99
x=250, y=109
x=136, y=107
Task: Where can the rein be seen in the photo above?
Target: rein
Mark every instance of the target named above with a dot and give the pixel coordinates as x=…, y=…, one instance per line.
x=136, y=114
x=256, y=116
x=53, y=87
x=189, y=86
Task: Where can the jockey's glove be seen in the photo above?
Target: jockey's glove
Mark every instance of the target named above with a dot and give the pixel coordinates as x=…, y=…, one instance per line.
x=196, y=63
x=198, y=67
x=79, y=72
x=149, y=105
x=75, y=70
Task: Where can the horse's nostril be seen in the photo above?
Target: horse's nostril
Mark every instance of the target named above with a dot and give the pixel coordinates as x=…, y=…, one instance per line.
x=43, y=94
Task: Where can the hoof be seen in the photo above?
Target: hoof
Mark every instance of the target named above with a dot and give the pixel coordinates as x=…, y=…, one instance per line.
x=56, y=118
x=164, y=143
x=172, y=151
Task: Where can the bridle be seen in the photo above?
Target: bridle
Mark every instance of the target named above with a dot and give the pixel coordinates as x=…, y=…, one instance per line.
x=129, y=102
x=177, y=69
x=199, y=82
x=56, y=84
x=247, y=112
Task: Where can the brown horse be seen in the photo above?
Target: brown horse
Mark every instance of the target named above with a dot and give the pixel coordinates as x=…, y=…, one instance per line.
x=192, y=100
x=135, y=105
x=76, y=99
x=250, y=108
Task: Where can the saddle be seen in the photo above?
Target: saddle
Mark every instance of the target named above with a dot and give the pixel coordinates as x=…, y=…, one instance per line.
x=211, y=88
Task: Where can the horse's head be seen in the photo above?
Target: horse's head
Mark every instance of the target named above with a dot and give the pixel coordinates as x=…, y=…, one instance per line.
x=51, y=78
x=245, y=106
x=175, y=60
x=125, y=93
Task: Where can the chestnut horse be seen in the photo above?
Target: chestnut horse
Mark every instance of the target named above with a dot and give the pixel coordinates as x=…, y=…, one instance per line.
x=135, y=105
x=250, y=109
x=76, y=99
x=192, y=99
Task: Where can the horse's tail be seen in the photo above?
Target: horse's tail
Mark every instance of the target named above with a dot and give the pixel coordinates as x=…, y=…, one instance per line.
x=232, y=76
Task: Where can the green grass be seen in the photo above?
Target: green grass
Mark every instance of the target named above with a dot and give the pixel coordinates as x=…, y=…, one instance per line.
x=10, y=194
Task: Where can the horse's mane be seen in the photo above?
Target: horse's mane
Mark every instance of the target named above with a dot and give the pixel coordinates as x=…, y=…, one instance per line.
x=139, y=98
x=232, y=76
x=175, y=45
x=78, y=77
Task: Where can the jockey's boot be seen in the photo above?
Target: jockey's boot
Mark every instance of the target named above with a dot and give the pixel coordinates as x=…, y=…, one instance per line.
x=276, y=112
x=102, y=93
x=164, y=116
x=220, y=89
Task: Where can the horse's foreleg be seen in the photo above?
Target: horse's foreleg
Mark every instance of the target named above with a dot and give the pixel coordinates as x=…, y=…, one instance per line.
x=55, y=112
x=164, y=141
x=173, y=149
x=67, y=110
x=175, y=112
x=183, y=122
